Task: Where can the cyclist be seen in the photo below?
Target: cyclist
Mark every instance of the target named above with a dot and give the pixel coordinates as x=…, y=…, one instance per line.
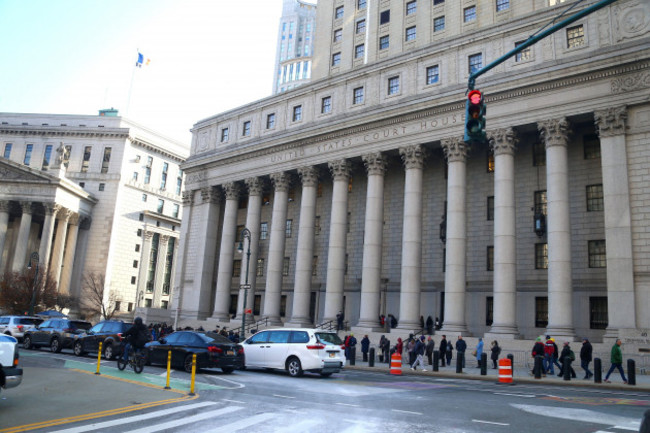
x=136, y=336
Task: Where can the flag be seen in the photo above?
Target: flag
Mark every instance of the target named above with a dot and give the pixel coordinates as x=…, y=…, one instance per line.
x=141, y=60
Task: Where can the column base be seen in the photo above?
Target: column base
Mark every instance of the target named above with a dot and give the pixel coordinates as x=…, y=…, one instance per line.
x=219, y=318
x=274, y=321
x=410, y=326
x=507, y=332
x=362, y=330
x=368, y=324
x=299, y=322
x=454, y=329
x=566, y=333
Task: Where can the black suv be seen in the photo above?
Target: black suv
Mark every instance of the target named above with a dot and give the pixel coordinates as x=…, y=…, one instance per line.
x=108, y=332
x=55, y=333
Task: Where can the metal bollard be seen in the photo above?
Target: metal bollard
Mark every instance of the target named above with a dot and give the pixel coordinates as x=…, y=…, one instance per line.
x=511, y=357
x=169, y=368
x=353, y=355
x=631, y=372
x=193, y=374
x=99, y=358
x=436, y=358
x=483, y=364
x=538, y=367
x=371, y=359
x=459, y=361
x=566, y=368
x=598, y=370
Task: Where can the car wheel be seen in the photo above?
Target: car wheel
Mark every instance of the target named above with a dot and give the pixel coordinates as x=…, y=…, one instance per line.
x=227, y=370
x=55, y=345
x=187, y=364
x=109, y=353
x=78, y=349
x=326, y=374
x=294, y=367
x=27, y=343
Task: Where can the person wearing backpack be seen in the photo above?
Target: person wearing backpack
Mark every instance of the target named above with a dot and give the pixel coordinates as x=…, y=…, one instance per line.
x=137, y=336
x=567, y=353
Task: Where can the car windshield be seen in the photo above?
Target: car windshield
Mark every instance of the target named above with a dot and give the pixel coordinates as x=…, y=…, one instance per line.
x=328, y=338
x=29, y=321
x=80, y=325
x=217, y=338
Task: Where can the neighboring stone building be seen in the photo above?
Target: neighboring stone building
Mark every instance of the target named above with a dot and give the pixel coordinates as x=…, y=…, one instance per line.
x=92, y=194
x=295, y=45
x=376, y=206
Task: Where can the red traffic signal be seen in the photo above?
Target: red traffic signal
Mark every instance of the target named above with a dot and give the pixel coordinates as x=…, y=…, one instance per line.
x=475, y=97
x=475, y=118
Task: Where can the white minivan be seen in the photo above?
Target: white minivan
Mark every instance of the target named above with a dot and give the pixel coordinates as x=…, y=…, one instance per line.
x=295, y=350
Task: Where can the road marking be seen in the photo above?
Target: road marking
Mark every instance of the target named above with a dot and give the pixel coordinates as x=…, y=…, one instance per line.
x=282, y=396
x=135, y=418
x=347, y=404
x=187, y=420
x=407, y=411
x=623, y=427
x=238, y=425
x=489, y=422
x=580, y=415
x=233, y=401
x=515, y=395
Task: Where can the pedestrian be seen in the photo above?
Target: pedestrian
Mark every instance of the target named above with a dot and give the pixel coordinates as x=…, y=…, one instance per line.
x=549, y=351
x=429, y=349
x=556, y=354
x=410, y=348
x=353, y=343
x=365, y=346
x=442, y=350
x=585, y=357
x=461, y=347
x=479, y=352
x=393, y=321
x=616, y=359
x=449, y=353
x=437, y=324
x=419, y=354
x=346, y=345
x=339, y=321
x=399, y=347
x=429, y=325
x=495, y=352
x=567, y=357
x=539, y=350
x=382, y=348
x=422, y=323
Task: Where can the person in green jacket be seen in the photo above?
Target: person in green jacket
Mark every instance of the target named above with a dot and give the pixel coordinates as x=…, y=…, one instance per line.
x=617, y=362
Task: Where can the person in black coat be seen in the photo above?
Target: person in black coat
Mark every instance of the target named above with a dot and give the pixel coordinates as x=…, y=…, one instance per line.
x=429, y=349
x=461, y=347
x=429, y=325
x=365, y=346
x=566, y=363
x=585, y=357
x=442, y=350
x=494, y=355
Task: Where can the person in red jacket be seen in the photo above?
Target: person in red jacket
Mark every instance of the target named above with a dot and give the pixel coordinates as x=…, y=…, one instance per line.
x=549, y=351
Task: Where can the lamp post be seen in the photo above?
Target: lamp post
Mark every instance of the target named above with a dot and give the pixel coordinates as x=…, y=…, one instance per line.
x=245, y=234
x=33, y=259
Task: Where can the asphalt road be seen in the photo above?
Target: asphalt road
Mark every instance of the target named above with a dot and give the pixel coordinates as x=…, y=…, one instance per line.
x=60, y=393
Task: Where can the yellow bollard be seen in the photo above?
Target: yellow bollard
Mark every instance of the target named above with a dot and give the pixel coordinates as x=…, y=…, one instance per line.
x=193, y=374
x=99, y=358
x=169, y=368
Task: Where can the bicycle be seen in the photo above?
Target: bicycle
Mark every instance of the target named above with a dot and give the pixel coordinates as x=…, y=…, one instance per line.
x=135, y=360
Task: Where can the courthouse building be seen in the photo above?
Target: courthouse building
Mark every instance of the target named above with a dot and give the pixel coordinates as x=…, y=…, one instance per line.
x=92, y=194
x=361, y=196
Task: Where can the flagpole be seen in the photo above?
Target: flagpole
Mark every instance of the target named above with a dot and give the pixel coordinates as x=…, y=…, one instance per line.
x=128, y=98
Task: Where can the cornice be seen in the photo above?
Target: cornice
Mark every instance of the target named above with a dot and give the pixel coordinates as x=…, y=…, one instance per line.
x=152, y=147
x=64, y=131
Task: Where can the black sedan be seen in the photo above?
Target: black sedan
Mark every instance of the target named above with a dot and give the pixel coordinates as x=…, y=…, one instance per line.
x=212, y=351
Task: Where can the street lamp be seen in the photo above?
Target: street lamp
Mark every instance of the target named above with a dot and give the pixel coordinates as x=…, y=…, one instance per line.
x=245, y=234
x=33, y=259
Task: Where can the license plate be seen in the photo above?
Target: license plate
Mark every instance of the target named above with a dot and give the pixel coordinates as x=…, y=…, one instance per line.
x=332, y=354
x=230, y=352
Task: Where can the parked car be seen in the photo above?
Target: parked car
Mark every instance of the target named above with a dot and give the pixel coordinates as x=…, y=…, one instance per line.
x=108, y=332
x=10, y=374
x=17, y=325
x=296, y=351
x=57, y=334
x=212, y=351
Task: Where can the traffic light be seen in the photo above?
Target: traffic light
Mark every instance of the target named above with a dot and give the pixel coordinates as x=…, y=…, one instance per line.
x=475, y=118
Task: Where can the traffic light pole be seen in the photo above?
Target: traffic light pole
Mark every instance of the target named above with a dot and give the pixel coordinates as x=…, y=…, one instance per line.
x=534, y=39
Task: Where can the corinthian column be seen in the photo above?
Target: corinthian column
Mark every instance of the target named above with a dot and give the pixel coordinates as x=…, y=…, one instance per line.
x=374, y=226
x=70, y=250
x=305, y=249
x=555, y=134
x=20, y=255
x=503, y=143
x=228, y=235
x=456, y=262
x=59, y=244
x=44, y=250
x=622, y=308
x=4, y=225
x=281, y=182
x=338, y=229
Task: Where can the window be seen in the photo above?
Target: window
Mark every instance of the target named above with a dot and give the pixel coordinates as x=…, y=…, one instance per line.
x=384, y=42
x=541, y=311
x=541, y=256
x=411, y=7
x=393, y=85
x=135, y=263
x=141, y=217
x=575, y=36
x=28, y=154
x=179, y=182
x=161, y=205
x=260, y=267
x=359, y=51
x=469, y=14
x=86, y=159
x=433, y=74
x=490, y=258
x=225, y=132
x=490, y=161
x=175, y=211
x=338, y=13
x=82, y=184
x=147, y=170
x=118, y=304
x=591, y=145
x=475, y=62
x=503, y=5
x=264, y=231
x=246, y=129
x=135, y=176
x=438, y=2
x=439, y=23
x=163, y=177
x=106, y=159
x=326, y=104
x=540, y=202
x=598, y=314
x=297, y=113
x=522, y=55
x=144, y=197
x=489, y=310
x=47, y=156
x=338, y=35
x=137, y=248
x=317, y=225
x=360, y=27
x=539, y=154
x=336, y=59
x=287, y=231
x=164, y=304
x=7, y=153
x=595, y=198
x=285, y=266
x=357, y=96
x=597, y=254
x=410, y=34
x=490, y=208
x=102, y=186
x=130, y=307
x=314, y=266
x=236, y=268
x=270, y=121
x=361, y=4
x=384, y=17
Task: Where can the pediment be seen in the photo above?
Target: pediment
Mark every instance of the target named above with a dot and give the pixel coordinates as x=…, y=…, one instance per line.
x=12, y=172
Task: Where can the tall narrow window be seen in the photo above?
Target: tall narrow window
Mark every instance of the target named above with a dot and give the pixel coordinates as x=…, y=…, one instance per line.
x=163, y=177
x=28, y=154
x=357, y=95
x=595, y=198
x=47, y=156
x=475, y=62
x=264, y=231
x=598, y=315
x=161, y=205
x=7, y=153
x=489, y=266
x=591, y=145
x=338, y=13
x=541, y=256
x=260, y=268
x=597, y=254
x=539, y=154
x=490, y=208
x=384, y=42
x=360, y=27
x=225, y=133
x=384, y=17
x=359, y=51
x=314, y=266
x=86, y=160
x=236, y=268
x=490, y=161
x=270, y=121
x=147, y=170
x=541, y=311
x=106, y=159
x=287, y=232
x=153, y=260
x=336, y=59
x=326, y=105
x=285, y=266
x=297, y=113
x=540, y=202
x=489, y=310
x=169, y=262
x=338, y=35
x=246, y=129
x=410, y=34
x=176, y=210
x=393, y=85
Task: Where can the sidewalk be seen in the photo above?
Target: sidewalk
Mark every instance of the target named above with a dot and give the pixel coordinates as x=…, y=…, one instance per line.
x=520, y=375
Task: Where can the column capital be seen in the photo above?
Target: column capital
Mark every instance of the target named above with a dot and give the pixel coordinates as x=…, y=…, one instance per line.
x=148, y=235
x=64, y=214
x=164, y=239
x=51, y=208
x=210, y=194
x=340, y=169
x=375, y=163
x=74, y=218
x=611, y=121
x=255, y=186
x=85, y=222
x=281, y=181
x=232, y=190
x=412, y=156
x=26, y=206
x=188, y=198
x=4, y=206
x=455, y=149
x=554, y=132
x=309, y=175
x=502, y=141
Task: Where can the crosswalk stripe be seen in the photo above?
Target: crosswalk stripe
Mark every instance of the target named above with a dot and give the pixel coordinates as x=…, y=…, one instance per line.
x=243, y=423
x=136, y=418
x=187, y=420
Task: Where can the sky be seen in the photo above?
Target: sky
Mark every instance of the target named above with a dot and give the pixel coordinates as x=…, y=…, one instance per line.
x=78, y=56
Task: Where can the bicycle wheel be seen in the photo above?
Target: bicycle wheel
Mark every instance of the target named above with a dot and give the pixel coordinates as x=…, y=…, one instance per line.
x=121, y=363
x=138, y=364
